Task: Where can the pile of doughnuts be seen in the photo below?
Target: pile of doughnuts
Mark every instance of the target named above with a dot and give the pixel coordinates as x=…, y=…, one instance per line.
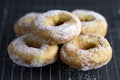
x=81, y=33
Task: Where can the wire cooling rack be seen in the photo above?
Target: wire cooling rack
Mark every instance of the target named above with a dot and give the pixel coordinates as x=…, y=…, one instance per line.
x=11, y=10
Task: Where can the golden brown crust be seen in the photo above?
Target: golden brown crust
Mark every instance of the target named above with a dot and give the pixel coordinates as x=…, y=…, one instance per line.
x=92, y=22
x=99, y=27
x=22, y=26
x=31, y=52
x=56, y=26
x=88, y=51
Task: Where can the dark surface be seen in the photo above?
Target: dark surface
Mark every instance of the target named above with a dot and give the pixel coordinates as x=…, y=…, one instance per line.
x=11, y=10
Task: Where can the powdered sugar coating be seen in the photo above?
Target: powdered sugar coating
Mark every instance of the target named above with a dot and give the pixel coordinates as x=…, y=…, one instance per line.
x=22, y=26
x=17, y=61
x=70, y=46
x=96, y=16
x=64, y=53
x=92, y=58
x=61, y=32
x=28, y=15
x=19, y=48
x=92, y=22
x=85, y=68
x=90, y=66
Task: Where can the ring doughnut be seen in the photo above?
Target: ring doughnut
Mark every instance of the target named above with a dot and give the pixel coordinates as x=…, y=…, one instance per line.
x=29, y=51
x=22, y=26
x=86, y=52
x=56, y=26
x=92, y=22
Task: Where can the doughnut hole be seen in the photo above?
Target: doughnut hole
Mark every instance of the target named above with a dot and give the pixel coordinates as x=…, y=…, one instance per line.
x=30, y=43
x=85, y=43
x=57, y=20
x=87, y=46
x=86, y=18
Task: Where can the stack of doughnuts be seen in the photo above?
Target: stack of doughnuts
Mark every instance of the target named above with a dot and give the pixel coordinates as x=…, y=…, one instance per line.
x=80, y=32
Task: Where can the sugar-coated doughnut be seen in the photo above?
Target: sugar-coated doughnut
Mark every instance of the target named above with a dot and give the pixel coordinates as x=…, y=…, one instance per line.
x=86, y=52
x=56, y=26
x=28, y=50
x=22, y=26
x=91, y=21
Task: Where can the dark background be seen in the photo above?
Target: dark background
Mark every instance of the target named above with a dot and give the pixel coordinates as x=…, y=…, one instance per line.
x=11, y=10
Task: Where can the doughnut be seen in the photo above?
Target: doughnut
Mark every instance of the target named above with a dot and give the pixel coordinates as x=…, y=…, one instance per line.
x=86, y=52
x=22, y=26
x=56, y=26
x=28, y=50
x=92, y=22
